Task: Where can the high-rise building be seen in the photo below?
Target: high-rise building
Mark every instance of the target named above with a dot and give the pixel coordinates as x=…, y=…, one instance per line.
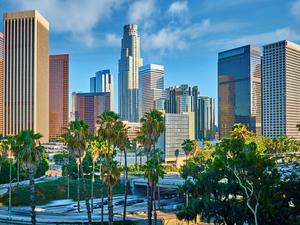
x=280, y=90
x=178, y=127
x=103, y=82
x=133, y=129
x=239, y=89
x=26, y=73
x=88, y=106
x=206, y=114
x=59, y=94
x=128, y=81
x=1, y=81
x=151, y=87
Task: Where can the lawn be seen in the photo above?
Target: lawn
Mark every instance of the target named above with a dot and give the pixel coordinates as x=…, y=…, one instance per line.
x=55, y=190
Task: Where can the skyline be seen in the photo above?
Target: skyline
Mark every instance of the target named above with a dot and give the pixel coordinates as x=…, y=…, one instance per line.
x=195, y=32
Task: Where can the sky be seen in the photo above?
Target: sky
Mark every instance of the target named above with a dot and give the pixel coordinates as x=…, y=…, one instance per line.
x=184, y=36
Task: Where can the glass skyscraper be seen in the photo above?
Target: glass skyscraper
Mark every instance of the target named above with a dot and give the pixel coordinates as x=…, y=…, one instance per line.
x=239, y=89
x=128, y=81
x=206, y=114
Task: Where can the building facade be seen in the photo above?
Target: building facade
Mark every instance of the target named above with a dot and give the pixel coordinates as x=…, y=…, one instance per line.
x=280, y=90
x=1, y=81
x=239, y=89
x=26, y=73
x=128, y=80
x=59, y=94
x=133, y=129
x=103, y=82
x=206, y=114
x=151, y=87
x=88, y=106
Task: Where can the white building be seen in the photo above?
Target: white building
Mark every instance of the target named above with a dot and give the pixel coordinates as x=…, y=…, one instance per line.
x=281, y=89
x=151, y=87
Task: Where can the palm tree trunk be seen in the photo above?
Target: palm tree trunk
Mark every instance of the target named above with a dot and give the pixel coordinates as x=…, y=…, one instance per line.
x=87, y=203
x=149, y=212
x=78, y=188
x=109, y=191
x=102, y=192
x=135, y=157
x=126, y=186
x=32, y=196
x=154, y=202
x=92, y=188
x=18, y=171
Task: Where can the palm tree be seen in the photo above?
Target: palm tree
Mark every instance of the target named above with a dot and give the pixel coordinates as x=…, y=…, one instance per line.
x=108, y=131
x=4, y=147
x=240, y=131
x=15, y=149
x=152, y=127
x=176, y=156
x=94, y=150
x=76, y=138
x=153, y=171
x=188, y=146
x=30, y=155
x=122, y=143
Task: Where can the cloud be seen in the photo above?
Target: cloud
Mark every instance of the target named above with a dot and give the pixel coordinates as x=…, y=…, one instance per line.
x=113, y=40
x=170, y=38
x=178, y=7
x=295, y=11
x=140, y=10
x=76, y=17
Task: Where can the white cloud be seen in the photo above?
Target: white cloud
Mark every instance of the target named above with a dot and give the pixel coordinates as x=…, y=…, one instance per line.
x=178, y=7
x=76, y=17
x=113, y=40
x=140, y=10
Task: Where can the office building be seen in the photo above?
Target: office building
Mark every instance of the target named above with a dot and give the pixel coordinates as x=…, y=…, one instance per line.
x=280, y=90
x=88, y=106
x=151, y=87
x=239, y=89
x=59, y=94
x=103, y=82
x=178, y=127
x=128, y=81
x=1, y=81
x=133, y=129
x=206, y=114
x=26, y=73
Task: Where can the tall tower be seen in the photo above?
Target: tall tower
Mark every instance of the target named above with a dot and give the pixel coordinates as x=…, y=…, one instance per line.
x=128, y=81
x=281, y=85
x=103, y=82
x=1, y=81
x=26, y=73
x=59, y=94
x=151, y=87
x=239, y=89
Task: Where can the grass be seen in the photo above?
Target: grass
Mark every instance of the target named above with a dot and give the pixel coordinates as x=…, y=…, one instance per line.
x=56, y=190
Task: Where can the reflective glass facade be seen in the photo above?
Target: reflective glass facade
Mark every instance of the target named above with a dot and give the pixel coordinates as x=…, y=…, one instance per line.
x=239, y=89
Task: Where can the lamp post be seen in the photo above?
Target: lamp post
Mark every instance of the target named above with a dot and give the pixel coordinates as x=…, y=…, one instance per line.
x=10, y=157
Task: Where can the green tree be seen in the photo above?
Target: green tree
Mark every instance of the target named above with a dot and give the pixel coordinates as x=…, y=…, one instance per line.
x=30, y=155
x=76, y=138
x=107, y=131
x=188, y=146
x=4, y=147
x=176, y=156
x=94, y=150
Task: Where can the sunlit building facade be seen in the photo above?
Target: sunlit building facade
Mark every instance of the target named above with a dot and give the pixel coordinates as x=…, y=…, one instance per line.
x=1, y=81
x=59, y=94
x=239, y=89
x=280, y=90
x=26, y=73
x=151, y=87
x=128, y=80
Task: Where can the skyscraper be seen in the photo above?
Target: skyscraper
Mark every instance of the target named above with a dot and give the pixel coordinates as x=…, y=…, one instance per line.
x=88, y=106
x=59, y=94
x=280, y=90
x=1, y=80
x=151, y=87
x=128, y=81
x=26, y=76
x=103, y=82
x=206, y=114
x=239, y=89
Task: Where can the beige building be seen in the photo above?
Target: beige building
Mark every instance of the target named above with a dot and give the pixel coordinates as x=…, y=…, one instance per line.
x=133, y=129
x=26, y=73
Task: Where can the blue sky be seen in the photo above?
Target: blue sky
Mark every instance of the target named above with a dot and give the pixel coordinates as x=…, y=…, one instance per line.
x=184, y=36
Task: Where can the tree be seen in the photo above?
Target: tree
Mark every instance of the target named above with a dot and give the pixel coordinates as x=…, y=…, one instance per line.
x=3, y=152
x=76, y=138
x=153, y=171
x=30, y=155
x=188, y=147
x=108, y=131
x=152, y=127
x=94, y=150
x=176, y=156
